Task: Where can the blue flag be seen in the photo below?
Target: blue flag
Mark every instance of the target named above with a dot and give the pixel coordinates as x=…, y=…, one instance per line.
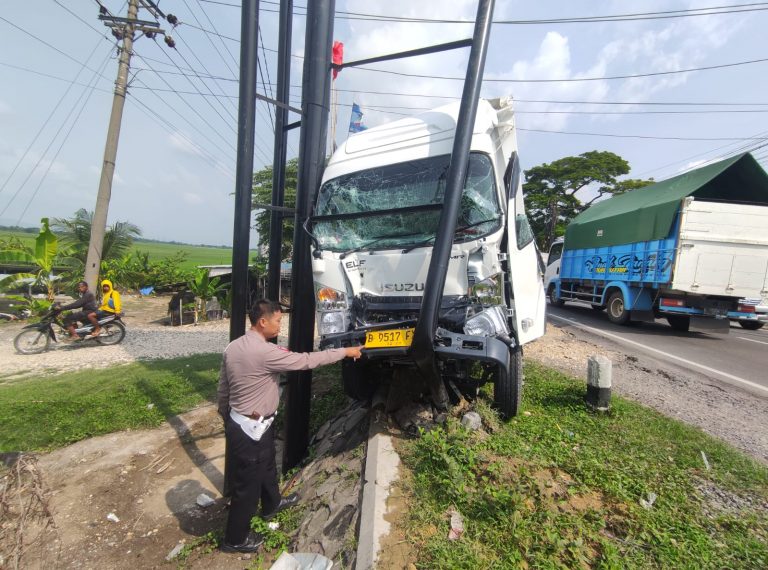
x=356, y=119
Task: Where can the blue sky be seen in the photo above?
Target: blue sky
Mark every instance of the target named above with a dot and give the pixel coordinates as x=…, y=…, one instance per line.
x=176, y=159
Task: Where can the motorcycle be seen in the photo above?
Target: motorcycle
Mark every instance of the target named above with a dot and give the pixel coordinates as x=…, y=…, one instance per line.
x=37, y=337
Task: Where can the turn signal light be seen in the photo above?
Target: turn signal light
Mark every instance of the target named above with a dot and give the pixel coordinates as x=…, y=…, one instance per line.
x=672, y=303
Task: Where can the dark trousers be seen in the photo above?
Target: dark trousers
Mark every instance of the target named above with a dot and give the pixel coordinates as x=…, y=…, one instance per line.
x=253, y=478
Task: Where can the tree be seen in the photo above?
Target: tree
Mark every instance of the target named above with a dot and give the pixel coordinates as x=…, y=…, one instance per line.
x=42, y=258
x=262, y=195
x=550, y=189
x=75, y=233
x=205, y=288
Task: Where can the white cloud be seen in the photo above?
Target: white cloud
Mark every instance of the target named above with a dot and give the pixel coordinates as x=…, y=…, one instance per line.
x=183, y=144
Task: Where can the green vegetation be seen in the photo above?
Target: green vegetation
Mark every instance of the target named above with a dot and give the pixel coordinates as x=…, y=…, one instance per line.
x=194, y=255
x=560, y=487
x=45, y=413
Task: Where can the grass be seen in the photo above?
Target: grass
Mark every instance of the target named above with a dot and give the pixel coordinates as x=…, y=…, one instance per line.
x=40, y=414
x=195, y=254
x=560, y=487
x=45, y=413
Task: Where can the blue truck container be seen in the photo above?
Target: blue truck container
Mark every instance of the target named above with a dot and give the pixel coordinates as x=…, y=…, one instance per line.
x=662, y=251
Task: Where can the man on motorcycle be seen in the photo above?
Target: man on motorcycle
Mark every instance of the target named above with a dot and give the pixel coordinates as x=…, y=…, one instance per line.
x=110, y=300
x=87, y=302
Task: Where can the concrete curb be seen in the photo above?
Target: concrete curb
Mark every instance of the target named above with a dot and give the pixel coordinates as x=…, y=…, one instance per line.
x=381, y=470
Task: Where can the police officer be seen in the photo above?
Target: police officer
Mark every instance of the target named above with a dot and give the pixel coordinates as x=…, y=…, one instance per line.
x=248, y=396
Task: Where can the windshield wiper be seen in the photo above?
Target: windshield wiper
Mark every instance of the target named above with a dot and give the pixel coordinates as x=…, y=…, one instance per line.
x=428, y=241
x=475, y=224
x=373, y=242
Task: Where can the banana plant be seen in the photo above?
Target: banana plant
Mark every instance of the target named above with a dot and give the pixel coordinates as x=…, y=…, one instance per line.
x=205, y=288
x=41, y=260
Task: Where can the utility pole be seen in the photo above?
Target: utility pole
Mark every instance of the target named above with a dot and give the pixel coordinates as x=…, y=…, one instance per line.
x=122, y=28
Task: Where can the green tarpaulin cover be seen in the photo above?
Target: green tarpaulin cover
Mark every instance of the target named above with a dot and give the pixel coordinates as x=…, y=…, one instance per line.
x=649, y=213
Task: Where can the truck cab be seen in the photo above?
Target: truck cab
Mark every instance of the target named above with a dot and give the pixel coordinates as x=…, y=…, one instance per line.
x=373, y=226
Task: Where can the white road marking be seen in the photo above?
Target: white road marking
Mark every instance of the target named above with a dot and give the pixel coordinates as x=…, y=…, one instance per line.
x=668, y=355
x=751, y=340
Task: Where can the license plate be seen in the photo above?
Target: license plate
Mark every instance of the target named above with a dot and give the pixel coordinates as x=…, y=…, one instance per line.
x=389, y=338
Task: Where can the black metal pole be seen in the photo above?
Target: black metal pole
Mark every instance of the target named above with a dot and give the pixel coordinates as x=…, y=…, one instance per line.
x=422, y=349
x=281, y=137
x=315, y=99
x=246, y=127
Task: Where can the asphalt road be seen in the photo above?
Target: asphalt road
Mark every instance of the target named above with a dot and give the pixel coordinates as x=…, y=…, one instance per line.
x=739, y=358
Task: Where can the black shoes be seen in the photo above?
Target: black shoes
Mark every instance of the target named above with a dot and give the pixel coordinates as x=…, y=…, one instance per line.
x=251, y=544
x=285, y=503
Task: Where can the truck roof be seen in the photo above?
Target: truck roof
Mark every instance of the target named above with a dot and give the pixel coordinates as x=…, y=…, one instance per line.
x=649, y=213
x=427, y=134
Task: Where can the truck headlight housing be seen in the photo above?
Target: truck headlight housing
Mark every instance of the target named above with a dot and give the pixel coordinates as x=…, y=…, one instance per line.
x=488, y=291
x=331, y=309
x=488, y=322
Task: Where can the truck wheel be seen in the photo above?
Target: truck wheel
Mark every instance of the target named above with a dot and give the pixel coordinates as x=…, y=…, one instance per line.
x=553, y=298
x=508, y=388
x=357, y=380
x=751, y=325
x=679, y=322
x=617, y=312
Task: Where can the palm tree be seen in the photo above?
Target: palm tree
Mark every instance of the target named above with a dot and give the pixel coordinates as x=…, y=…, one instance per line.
x=75, y=233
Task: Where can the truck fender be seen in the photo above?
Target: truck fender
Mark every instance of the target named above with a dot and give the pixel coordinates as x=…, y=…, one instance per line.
x=635, y=298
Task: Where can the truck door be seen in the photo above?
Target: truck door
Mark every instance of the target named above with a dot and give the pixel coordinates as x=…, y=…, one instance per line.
x=553, y=263
x=527, y=287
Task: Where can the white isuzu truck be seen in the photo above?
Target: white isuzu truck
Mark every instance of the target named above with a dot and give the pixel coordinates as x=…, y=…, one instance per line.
x=373, y=226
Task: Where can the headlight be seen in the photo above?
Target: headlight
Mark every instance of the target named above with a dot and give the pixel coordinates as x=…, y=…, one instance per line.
x=489, y=322
x=488, y=291
x=332, y=310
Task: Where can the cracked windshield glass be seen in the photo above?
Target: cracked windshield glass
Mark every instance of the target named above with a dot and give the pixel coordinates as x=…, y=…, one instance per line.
x=398, y=205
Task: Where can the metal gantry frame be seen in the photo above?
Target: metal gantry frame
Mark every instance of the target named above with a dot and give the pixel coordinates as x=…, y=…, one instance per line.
x=316, y=86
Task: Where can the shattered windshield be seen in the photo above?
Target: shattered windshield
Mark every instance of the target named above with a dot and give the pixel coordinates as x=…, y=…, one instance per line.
x=400, y=204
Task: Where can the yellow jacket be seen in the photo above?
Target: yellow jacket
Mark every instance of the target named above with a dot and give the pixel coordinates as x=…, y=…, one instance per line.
x=110, y=299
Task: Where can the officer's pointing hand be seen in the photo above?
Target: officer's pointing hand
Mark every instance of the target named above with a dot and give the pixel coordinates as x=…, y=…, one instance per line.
x=354, y=352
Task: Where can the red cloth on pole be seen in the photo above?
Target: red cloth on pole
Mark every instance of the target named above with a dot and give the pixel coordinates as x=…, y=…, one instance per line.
x=338, y=56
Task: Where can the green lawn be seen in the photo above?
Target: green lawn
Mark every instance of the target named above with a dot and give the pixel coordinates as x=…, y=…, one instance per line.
x=40, y=414
x=560, y=487
x=195, y=254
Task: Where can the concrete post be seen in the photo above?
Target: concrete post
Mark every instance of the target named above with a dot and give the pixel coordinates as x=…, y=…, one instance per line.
x=599, y=374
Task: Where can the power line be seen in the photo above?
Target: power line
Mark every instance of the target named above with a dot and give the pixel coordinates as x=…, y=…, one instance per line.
x=225, y=139
x=668, y=14
x=87, y=90
x=571, y=79
x=642, y=136
x=259, y=66
x=54, y=48
x=50, y=116
x=208, y=36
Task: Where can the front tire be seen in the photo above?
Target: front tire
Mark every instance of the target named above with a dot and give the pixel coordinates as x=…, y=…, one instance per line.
x=111, y=333
x=508, y=387
x=554, y=300
x=617, y=311
x=32, y=341
x=751, y=325
x=680, y=323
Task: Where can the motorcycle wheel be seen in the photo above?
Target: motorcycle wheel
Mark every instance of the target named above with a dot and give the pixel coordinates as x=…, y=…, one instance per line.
x=32, y=341
x=111, y=333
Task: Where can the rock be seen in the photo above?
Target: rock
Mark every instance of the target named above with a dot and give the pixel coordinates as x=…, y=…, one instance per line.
x=113, y=518
x=472, y=421
x=204, y=500
x=175, y=552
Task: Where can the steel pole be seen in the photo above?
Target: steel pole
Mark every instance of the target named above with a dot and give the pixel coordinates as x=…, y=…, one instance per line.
x=422, y=349
x=99, y=221
x=314, y=127
x=246, y=127
x=281, y=138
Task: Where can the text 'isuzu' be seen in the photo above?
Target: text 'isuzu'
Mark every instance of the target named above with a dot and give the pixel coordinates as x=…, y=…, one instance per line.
x=373, y=227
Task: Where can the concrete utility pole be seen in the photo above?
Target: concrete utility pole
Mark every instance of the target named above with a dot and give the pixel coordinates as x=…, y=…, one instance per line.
x=122, y=28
